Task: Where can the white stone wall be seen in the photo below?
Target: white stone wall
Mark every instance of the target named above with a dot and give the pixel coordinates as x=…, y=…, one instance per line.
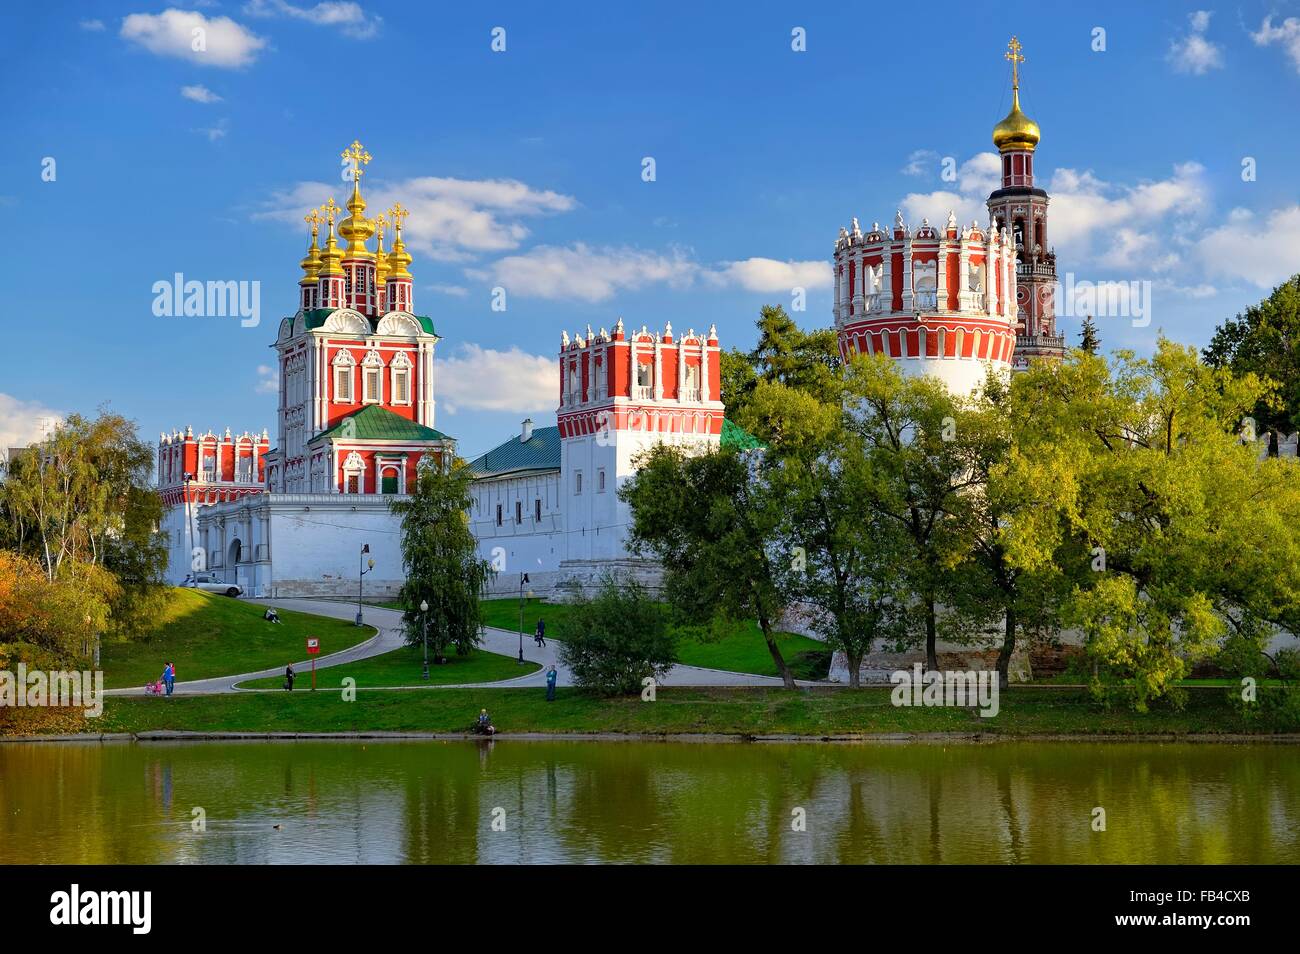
x=529, y=546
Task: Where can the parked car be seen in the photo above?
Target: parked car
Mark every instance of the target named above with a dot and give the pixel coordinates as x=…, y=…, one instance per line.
x=209, y=582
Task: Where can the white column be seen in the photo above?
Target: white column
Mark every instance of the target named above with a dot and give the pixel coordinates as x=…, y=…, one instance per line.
x=992, y=261
x=859, y=289
x=704, y=372
x=887, y=277
x=631, y=373
x=941, y=278
x=681, y=370
x=907, y=273
x=659, y=375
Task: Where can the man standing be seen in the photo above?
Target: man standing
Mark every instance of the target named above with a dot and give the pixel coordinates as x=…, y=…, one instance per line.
x=551, y=676
x=540, y=636
x=288, y=677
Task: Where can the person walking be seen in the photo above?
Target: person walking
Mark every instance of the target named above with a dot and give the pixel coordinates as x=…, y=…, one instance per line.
x=169, y=677
x=288, y=677
x=551, y=676
x=539, y=637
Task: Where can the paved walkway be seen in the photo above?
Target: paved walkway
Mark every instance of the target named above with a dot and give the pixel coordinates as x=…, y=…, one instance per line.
x=388, y=622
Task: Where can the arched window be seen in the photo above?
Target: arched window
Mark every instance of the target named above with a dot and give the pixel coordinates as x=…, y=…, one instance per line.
x=372, y=378
x=399, y=385
x=344, y=368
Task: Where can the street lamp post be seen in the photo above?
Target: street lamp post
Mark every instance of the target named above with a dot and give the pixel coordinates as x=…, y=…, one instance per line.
x=523, y=581
x=424, y=635
x=361, y=572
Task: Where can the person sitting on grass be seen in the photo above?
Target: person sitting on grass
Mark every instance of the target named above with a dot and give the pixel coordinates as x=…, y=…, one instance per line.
x=484, y=725
x=271, y=616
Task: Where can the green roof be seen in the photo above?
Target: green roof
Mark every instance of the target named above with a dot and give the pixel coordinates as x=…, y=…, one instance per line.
x=315, y=317
x=375, y=423
x=542, y=451
x=539, y=452
x=733, y=435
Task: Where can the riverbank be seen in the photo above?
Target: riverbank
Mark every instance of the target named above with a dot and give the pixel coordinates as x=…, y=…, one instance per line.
x=747, y=712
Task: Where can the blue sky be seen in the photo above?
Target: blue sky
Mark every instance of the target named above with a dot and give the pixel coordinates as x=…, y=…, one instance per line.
x=523, y=169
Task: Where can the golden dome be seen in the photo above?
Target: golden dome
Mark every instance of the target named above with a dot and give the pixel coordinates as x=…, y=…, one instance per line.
x=311, y=261
x=381, y=257
x=1017, y=131
x=330, y=256
x=356, y=229
x=399, y=257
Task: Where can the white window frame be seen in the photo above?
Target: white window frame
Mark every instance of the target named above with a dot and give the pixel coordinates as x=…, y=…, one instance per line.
x=344, y=362
x=399, y=368
x=373, y=365
x=600, y=480
x=577, y=483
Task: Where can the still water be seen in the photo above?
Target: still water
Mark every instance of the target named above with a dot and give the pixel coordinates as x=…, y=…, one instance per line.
x=411, y=802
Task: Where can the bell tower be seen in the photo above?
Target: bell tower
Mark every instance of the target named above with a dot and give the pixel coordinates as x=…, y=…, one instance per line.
x=1021, y=208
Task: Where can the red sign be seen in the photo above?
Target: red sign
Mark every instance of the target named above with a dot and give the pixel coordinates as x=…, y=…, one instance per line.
x=313, y=645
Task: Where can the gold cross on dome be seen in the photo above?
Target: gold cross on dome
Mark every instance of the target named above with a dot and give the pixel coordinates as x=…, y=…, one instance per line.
x=329, y=208
x=1016, y=57
x=380, y=224
x=358, y=156
x=313, y=218
x=398, y=215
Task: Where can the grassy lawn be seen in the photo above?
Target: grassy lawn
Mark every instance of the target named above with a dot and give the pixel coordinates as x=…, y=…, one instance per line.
x=742, y=651
x=206, y=635
x=732, y=711
x=405, y=667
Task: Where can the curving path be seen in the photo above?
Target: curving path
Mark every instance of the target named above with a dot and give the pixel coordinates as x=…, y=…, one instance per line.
x=388, y=636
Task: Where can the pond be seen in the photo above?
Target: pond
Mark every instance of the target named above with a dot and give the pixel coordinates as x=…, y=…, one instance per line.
x=647, y=802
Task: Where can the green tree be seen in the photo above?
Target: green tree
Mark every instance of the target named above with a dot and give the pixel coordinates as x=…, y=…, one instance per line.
x=918, y=475
x=1188, y=535
x=847, y=561
x=615, y=640
x=1089, y=340
x=808, y=361
x=1265, y=341
x=441, y=559
x=715, y=528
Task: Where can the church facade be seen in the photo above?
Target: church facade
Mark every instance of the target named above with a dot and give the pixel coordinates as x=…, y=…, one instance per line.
x=357, y=408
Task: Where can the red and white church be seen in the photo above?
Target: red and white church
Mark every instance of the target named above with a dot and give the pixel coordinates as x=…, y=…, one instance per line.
x=356, y=414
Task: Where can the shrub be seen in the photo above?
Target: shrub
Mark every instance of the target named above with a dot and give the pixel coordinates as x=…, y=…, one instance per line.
x=616, y=639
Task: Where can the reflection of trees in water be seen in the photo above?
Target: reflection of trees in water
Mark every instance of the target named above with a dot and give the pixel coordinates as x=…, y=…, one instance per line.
x=649, y=802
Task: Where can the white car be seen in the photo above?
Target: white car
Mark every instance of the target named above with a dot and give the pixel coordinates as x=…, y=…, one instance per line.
x=209, y=582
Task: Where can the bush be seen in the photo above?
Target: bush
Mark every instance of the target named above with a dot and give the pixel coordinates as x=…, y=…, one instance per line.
x=616, y=639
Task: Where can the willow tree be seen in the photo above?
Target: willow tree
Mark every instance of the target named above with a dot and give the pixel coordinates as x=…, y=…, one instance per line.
x=440, y=555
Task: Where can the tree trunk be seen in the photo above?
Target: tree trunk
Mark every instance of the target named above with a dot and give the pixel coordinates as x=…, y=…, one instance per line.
x=855, y=669
x=931, y=636
x=1008, y=647
x=786, y=676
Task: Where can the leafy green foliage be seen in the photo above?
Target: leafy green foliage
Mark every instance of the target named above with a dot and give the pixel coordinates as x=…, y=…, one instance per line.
x=616, y=639
x=441, y=559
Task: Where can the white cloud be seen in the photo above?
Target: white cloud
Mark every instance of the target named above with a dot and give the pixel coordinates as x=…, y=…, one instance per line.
x=200, y=94
x=1123, y=225
x=451, y=219
x=920, y=162
x=588, y=274
x=459, y=291
x=221, y=41
x=268, y=380
x=348, y=17
x=481, y=379
x=770, y=275
x=976, y=178
x=94, y=26
x=1194, y=53
x=23, y=422
x=213, y=133
x=1287, y=34
x=1262, y=254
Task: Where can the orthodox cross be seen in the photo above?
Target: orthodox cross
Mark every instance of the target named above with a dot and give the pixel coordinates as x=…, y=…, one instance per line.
x=1016, y=57
x=358, y=156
